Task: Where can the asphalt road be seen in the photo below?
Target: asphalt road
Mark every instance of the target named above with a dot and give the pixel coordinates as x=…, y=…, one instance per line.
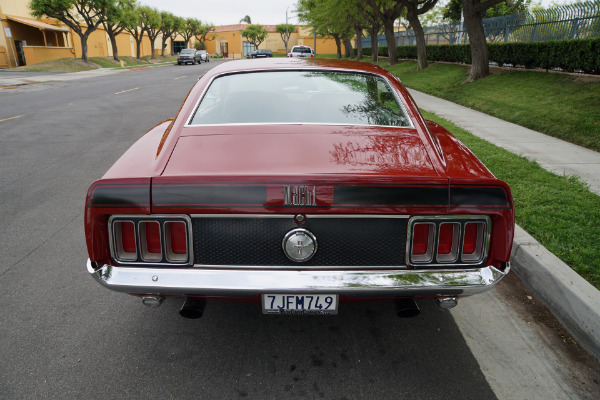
x=63, y=336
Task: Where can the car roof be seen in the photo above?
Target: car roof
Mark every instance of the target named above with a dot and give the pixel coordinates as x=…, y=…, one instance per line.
x=285, y=63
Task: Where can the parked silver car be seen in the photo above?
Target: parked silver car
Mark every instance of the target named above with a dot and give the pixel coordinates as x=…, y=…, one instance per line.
x=203, y=55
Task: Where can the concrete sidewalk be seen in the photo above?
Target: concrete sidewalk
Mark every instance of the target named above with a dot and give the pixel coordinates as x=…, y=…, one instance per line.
x=26, y=77
x=574, y=302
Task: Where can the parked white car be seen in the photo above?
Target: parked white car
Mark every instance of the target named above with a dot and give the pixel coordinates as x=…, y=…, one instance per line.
x=301, y=51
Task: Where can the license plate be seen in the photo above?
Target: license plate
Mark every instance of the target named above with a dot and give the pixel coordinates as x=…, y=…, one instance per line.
x=300, y=304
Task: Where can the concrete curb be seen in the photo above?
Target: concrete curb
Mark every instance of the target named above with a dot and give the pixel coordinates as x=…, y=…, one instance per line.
x=573, y=301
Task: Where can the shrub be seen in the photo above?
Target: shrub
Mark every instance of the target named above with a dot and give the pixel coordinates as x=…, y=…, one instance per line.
x=568, y=55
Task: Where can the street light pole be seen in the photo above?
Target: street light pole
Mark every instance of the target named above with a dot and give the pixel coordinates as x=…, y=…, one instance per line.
x=287, y=37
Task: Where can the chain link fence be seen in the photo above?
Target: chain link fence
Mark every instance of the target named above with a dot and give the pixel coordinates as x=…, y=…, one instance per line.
x=573, y=21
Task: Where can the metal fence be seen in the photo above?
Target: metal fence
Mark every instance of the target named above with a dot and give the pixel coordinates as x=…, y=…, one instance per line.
x=574, y=21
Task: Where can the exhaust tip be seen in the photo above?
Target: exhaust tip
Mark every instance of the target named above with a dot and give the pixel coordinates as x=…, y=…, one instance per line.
x=192, y=308
x=406, y=308
x=152, y=301
x=446, y=303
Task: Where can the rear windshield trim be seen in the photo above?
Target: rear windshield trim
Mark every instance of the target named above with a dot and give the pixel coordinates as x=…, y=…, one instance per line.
x=399, y=99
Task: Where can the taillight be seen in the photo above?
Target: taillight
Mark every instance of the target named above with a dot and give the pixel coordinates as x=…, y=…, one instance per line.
x=441, y=240
x=124, y=240
x=422, y=242
x=148, y=239
x=472, y=250
x=176, y=239
x=449, y=236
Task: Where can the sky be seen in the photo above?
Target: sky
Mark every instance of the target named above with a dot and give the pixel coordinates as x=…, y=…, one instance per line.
x=227, y=12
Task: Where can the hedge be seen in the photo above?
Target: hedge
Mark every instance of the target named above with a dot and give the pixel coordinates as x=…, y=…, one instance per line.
x=568, y=55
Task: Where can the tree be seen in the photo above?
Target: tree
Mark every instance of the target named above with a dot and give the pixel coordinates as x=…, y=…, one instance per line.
x=324, y=16
x=285, y=30
x=203, y=32
x=167, y=27
x=246, y=20
x=190, y=28
x=74, y=14
x=255, y=34
x=414, y=8
x=150, y=18
x=453, y=10
x=388, y=11
x=114, y=23
x=472, y=11
x=132, y=19
x=178, y=24
x=350, y=12
x=373, y=26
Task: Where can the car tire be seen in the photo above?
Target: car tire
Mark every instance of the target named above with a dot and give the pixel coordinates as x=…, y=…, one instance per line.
x=178, y=63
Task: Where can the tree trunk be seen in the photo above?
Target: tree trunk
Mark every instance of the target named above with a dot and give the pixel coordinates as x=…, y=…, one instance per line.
x=359, y=50
x=84, y=48
x=390, y=38
x=164, y=45
x=479, y=51
x=138, y=48
x=348, y=48
x=338, y=44
x=152, y=55
x=374, y=44
x=413, y=19
x=113, y=44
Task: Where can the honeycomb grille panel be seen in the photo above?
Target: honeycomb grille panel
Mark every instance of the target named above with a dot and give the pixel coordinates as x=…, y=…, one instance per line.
x=342, y=242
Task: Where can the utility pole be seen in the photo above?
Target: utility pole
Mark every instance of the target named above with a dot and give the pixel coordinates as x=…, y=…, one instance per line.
x=287, y=38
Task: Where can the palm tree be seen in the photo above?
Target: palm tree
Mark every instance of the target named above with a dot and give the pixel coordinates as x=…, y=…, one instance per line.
x=246, y=20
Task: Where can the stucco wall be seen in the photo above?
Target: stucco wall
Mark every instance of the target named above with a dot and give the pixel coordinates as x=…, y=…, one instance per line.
x=4, y=58
x=16, y=8
x=34, y=54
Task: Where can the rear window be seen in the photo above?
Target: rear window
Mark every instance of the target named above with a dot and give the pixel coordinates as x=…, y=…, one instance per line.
x=302, y=50
x=300, y=97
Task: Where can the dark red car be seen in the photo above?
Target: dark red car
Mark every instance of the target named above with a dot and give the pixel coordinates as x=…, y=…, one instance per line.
x=299, y=183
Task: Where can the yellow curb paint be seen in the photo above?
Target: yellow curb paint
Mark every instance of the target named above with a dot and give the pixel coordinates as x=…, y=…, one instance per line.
x=6, y=119
x=128, y=90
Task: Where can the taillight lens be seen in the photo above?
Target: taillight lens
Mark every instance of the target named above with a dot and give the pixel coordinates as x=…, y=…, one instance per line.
x=449, y=237
x=150, y=241
x=472, y=250
x=176, y=239
x=422, y=242
x=124, y=240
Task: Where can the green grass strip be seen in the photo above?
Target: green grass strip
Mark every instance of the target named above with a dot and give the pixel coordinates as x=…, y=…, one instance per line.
x=558, y=211
x=560, y=105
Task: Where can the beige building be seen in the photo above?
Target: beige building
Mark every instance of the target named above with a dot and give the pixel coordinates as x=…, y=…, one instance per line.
x=25, y=40
x=227, y=40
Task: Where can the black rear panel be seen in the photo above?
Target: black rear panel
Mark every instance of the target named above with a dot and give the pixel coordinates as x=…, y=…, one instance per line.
x=342, y=242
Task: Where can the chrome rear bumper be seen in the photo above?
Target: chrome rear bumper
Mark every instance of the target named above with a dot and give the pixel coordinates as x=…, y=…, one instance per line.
x=246, y=282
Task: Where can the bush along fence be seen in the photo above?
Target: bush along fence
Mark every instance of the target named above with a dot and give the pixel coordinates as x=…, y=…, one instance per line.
x=574, y=21
x=580, y=55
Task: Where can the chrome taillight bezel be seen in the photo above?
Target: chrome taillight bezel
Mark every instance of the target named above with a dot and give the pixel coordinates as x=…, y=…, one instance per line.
x=142, y=256
x=456, y=256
